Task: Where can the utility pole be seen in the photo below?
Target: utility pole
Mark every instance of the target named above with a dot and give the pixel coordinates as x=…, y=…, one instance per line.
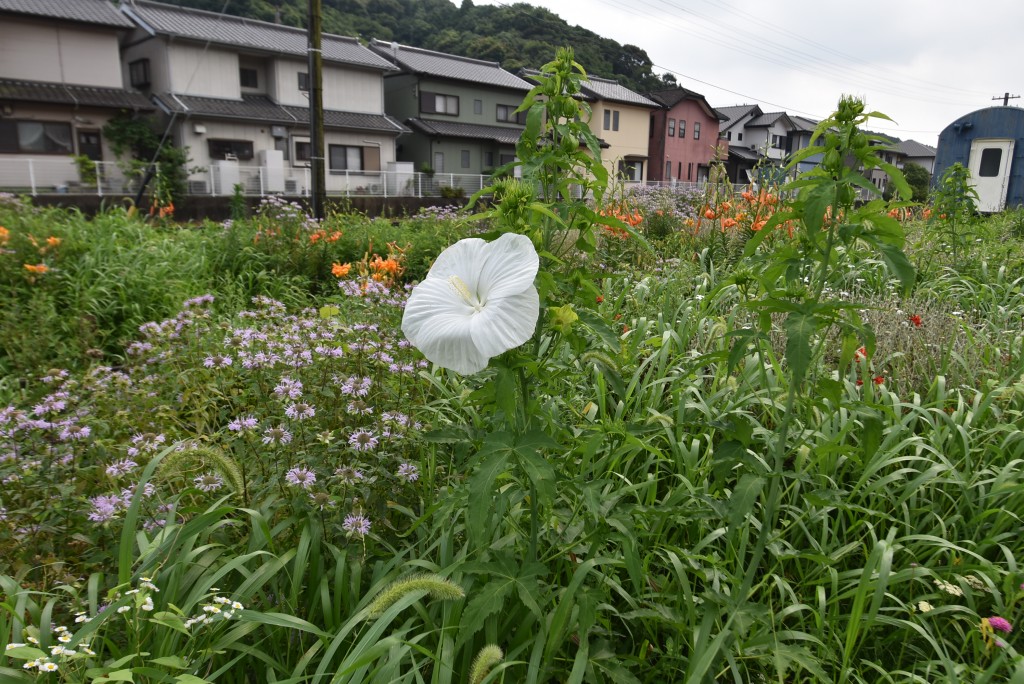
x=1006, y=97
x=316, y=110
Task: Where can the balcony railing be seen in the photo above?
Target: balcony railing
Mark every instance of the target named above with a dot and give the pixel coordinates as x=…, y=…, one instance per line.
x=36, y=176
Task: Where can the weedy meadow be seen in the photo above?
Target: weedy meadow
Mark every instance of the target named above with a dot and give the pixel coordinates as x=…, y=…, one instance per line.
x=653, y=436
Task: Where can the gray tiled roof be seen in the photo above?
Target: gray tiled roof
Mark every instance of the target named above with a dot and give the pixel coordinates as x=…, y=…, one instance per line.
x=605, y=89
x=454, y=129
x=443, y=65
x=912, y=148
x=84, y=96
x=258, y=36
x=735, y=113
x=262, y=108
x=768, y=119
x=802, y=123
x=88, y=11
x=744, y=154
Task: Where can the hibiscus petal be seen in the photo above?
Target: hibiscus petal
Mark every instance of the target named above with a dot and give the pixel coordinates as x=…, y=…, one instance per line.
x=505, y=323
x=437, y=321
x=508, y=267
x=462, y=259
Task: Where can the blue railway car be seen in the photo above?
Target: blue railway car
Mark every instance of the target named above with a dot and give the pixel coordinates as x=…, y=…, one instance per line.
x=990, y=143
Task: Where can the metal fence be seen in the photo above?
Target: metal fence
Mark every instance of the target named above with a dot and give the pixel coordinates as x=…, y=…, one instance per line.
x=35, y=176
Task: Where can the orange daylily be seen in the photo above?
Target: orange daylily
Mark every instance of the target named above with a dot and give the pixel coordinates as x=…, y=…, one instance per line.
x=37, y=268
x=340, y=270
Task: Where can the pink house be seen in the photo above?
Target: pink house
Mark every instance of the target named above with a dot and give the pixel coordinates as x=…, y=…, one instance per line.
x=683, y=137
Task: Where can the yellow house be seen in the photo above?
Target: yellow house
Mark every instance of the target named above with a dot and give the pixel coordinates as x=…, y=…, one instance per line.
x=622, y=120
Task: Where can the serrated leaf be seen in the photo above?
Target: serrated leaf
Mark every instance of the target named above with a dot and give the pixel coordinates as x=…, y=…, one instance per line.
x=539, y=470
x=176, y=662
x=488, y=600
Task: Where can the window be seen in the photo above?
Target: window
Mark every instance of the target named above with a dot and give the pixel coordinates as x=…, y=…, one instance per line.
x=508, y=113
x=345, y=158
x=991, y=157
x=138, y=73
x=739, y=137
x=437, y=103
x=35, y=137
x=728, y=136
x=230, y=149
x=607, y=119
x=682, y=128
x=303, y=152
x=488, y=160
x=679, y=170
x=248, y=78
x=668, y=169
x=615, y=120
x=631, y=170
x=671, y=128
x=478, y=106
x=439, y=162
x=465, y=159
x=303, y=80
x=696, y=130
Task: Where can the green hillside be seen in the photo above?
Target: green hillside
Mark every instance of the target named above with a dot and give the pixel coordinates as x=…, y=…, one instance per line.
x=516, y=35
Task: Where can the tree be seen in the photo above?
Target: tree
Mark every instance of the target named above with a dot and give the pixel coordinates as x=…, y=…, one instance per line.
x=918, y=178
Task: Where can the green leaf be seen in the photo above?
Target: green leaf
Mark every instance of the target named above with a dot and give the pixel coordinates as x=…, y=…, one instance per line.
x=539, y=470
x=191, y=679
x=25, y=653
x=800, y=327
x=176, y=662
x=329, y=311
x=898, y=265
x=117, y=676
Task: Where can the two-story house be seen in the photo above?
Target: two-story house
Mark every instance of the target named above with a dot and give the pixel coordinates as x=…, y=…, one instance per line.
x=60, y=83
x=743, y=155
x=235, y=92
x=462, y=111
x=683, y=138
x=621, y=119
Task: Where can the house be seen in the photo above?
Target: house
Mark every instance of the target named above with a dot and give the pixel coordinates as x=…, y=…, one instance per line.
x=683, y=137
x=461, y=111
x=60, y=83
x=990, y=143
x=917, y=153
x=235, y=92
x=743, y=155
x=622, y=120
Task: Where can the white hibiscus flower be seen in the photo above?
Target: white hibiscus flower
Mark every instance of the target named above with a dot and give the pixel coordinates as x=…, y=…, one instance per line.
x=477, y=301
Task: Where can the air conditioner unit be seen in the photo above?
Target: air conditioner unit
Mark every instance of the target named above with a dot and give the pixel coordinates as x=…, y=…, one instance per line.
x=753, y=148
x=291, y=186
x=198, y=187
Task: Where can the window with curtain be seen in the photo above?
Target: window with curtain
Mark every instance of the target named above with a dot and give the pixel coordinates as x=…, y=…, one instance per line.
x=35, y=137
x=345, y=158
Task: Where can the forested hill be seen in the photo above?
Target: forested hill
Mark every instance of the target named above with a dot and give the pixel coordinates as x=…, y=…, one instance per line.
x=516, y=35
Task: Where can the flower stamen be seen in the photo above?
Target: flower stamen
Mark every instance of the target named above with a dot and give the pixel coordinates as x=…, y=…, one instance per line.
x=459, y=286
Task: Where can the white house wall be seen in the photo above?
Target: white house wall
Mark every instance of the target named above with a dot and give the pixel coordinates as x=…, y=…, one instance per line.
x=155, y=51
x=210, y=72
x=32, y=51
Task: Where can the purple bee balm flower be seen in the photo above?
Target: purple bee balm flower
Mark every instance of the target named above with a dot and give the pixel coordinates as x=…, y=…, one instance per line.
x=361, y=440
x=208, y=482
x=356, y=524
x=277, y=435
x=75, y=432
x=1000, y=624
x=349, y=475
x=300, y=411
x=104, y=508
x=243, y=423
x=122, y=467
x=300, y=477
x=408, y=472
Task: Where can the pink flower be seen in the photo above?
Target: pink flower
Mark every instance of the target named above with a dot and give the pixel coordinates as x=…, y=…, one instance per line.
x=1000, y=624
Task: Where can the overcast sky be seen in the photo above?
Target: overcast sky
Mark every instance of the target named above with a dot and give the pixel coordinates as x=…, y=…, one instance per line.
x=923, y=63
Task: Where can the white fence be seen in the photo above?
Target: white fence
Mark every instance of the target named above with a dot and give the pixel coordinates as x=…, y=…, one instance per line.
x=35, y=176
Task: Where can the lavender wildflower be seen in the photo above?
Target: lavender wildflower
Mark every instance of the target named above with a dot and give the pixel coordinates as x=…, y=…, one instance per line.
x=356, y=524
x=408, y=472
x=277, y=435
x=300, y=477
x=300, y=411
x=208, y=482
x=349, y=475
x=243, y=423
x=361, y=440
x=122, y=467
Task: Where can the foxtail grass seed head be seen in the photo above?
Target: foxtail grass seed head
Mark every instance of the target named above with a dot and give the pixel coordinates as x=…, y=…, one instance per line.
x=489, y=656
x=438, y=587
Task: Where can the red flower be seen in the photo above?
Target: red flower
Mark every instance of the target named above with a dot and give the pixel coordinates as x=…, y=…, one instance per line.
x=860, y=355
x=600, y=299
x=916, y=320
x=879, y=380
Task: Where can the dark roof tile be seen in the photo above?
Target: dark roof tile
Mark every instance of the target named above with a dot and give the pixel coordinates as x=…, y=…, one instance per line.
x=260, y=36
x=453, y=129
x=83, y=96
x=88, y=11
x=443, y=65
x=262, y=108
